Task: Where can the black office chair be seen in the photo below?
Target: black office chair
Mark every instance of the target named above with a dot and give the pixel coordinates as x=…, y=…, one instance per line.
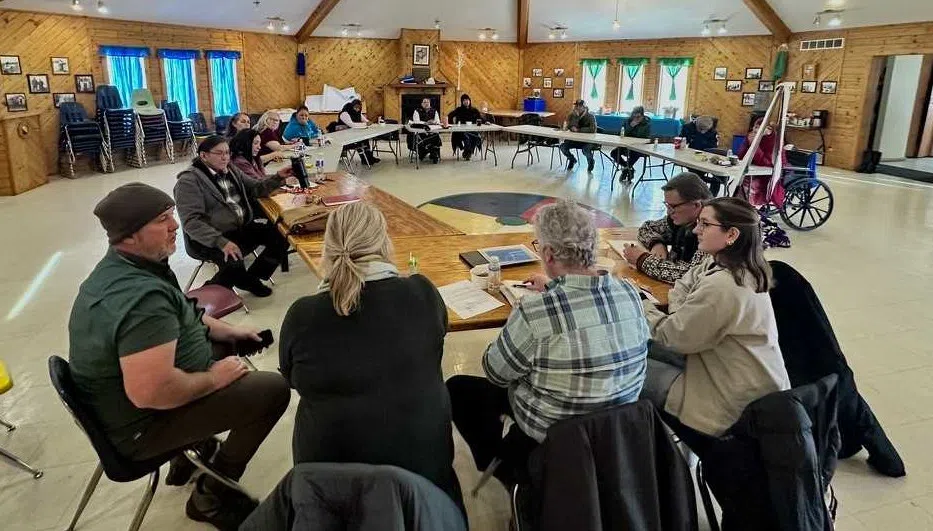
x=117, y=467
x=532, y=143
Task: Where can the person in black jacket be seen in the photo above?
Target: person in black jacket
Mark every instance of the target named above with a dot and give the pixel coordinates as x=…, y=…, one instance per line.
x=465, y=113
x=364, y=354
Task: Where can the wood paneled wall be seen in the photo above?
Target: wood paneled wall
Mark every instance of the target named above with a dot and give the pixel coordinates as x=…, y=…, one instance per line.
x=704, y=95
x=36, y=37
x=408, y=38
x=489, y=75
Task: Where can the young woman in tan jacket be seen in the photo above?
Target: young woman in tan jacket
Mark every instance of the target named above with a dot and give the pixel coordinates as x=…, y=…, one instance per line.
x=716, y=351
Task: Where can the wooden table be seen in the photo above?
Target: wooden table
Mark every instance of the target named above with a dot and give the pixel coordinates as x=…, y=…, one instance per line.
x=439, y=260
x=403, y=220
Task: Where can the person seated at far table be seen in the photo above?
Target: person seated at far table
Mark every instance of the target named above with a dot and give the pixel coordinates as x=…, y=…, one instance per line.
x=637, y=126
x=755, y=189
x=577, y=343
x=301, y=128
x=668, y=247
x=579, y=121
x=717, y=351
x=466, y=113
x=244, y=154
x=238, y=122
x=701, y=134
x=429, y=144
x=215, y=202
x=352, y=117
x=268, y=129
x=151, y=365
x=369, y=375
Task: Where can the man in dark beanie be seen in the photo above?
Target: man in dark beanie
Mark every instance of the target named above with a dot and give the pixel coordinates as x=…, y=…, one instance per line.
x=216, y=206
x=142, y=358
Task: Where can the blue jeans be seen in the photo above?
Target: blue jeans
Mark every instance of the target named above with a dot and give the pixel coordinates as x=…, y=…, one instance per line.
x=587, y=149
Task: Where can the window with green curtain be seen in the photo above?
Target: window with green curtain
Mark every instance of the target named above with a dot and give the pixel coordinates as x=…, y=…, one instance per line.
x=672, y=89
x=593, y=89
x=631, y=82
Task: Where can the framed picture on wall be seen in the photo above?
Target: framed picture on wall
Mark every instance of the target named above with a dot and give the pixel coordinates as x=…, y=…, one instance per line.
x=558, y=93
x=59, y=98
x=793, y=86
x=38, y=83
x=60, y=66
x=536, y=93
x=766, y=86
x=753, y=73
x=537, y=72
x=568, y=83
x=526, y=82
x=9, y=65
x=558, y=72
x=15, y=102
x=808, y=87
x=734, y=85
x=828, y=87
x=548, y=83
x=809, y=71
x=84, y=84
x=720, y=73
x=420, y=55
x=748, y=99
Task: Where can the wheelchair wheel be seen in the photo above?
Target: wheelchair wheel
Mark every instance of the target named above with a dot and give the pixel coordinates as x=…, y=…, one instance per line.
x=808, y=203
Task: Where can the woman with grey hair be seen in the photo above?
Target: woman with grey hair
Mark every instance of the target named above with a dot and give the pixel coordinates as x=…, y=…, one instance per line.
x=701, y=134
x=576, y=343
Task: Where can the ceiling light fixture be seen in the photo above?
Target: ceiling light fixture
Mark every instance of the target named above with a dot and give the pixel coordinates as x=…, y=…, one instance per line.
x=76, y=5
x=710, y=23
x=615, y=23
x=437, y=23
x=551, y=35
x=101, y=8
x=488, y=33
x=834, y=17
x=557, y=31
x=276, y=24
x=351, y=29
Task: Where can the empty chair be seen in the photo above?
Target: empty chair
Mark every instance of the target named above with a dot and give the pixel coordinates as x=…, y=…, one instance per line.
x=200, y=124
x=221, y=123
x=119, y=125
x=180, y=128
x=79, y=135
x=6, y=383
x=152, y=123
x=532, y=143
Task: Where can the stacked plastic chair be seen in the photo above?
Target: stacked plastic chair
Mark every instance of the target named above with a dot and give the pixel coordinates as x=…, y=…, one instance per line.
x=80, y=135
x=180, y=129
x=152, y=123
x=119, y=126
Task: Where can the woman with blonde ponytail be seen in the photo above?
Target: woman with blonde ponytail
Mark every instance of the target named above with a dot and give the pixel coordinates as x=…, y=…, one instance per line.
x=365, y=354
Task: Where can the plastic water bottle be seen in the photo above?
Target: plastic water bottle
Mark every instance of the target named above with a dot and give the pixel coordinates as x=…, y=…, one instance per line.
x=495, y=274
x=319, y=168
x=412, y=264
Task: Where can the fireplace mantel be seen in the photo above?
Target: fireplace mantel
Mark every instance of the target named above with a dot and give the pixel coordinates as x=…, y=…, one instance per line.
x=392, y=95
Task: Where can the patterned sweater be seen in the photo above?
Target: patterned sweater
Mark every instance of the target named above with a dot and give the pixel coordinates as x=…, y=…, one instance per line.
x=683, y=253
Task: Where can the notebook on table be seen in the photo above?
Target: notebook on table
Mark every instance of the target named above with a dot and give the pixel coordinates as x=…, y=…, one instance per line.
x=336, y=200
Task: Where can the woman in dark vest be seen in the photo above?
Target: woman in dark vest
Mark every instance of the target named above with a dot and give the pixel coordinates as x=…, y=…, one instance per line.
x=428, y=143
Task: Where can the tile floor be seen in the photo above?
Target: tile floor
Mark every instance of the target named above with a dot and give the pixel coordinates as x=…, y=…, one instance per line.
x=869, y=264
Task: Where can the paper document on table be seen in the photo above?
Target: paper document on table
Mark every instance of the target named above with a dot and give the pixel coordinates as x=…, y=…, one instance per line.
x=467, y=300
x=514, y=290
x=619, y=245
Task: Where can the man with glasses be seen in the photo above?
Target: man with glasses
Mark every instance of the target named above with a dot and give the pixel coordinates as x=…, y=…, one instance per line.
x=215, y=203
x=668, y=247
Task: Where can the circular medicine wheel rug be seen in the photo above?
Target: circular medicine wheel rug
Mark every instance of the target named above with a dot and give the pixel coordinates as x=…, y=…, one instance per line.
x=491, y=212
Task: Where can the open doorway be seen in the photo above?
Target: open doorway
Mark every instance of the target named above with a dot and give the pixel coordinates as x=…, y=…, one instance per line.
x=903, y=125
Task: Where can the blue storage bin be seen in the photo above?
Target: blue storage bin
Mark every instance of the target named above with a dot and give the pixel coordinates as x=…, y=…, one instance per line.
x=534, y=105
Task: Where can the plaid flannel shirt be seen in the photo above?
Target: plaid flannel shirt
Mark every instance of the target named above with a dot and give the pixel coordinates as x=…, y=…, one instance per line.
x=579, y=347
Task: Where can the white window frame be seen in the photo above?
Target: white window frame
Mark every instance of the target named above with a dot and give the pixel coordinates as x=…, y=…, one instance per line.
x=236, y=83
x=142, y=64
x=639, y=83
x=664, y=87
x=194, y=78
x=587, y=84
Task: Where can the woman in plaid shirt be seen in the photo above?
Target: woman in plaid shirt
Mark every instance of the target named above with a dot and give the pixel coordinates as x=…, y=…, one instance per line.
x=576, y=344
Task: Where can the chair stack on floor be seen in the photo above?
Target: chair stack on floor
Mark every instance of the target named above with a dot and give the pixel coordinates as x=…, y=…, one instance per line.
x=180, y=129
x=200, y=125
x=152, y=123
x=119, y=126
x=80, y=135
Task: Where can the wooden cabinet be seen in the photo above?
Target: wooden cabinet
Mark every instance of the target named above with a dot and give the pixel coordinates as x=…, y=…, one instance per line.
x=22, y=158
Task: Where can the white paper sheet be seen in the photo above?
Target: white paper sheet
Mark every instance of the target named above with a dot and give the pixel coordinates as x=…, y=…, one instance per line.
x=466, y=300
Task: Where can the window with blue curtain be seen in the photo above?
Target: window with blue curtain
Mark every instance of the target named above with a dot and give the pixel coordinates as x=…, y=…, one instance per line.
x=180, y=85
x=126, y=68
x=223, y=81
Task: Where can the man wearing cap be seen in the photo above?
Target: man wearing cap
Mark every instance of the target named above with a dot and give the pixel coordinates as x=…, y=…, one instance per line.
x=215, y=204
x=579, y=121
x=142, y=359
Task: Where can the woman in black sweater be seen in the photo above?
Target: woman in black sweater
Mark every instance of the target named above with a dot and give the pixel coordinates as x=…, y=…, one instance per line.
x=467, y=142
x=365, y=356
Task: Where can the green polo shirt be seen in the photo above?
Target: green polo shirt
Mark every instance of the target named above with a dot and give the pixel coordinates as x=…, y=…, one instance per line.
x=127, y=305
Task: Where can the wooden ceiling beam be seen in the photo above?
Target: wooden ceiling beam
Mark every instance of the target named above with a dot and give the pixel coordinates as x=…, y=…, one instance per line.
x=315, y=19
x=522, y=23
x=766, y=14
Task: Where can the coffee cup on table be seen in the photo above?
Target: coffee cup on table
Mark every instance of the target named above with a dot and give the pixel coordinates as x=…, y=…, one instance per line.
x=479, y=276
x=678, y=142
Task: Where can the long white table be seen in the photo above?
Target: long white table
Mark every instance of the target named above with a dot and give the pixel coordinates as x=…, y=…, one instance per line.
x=489, y=142
x=339, y=139
x=685, y=157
